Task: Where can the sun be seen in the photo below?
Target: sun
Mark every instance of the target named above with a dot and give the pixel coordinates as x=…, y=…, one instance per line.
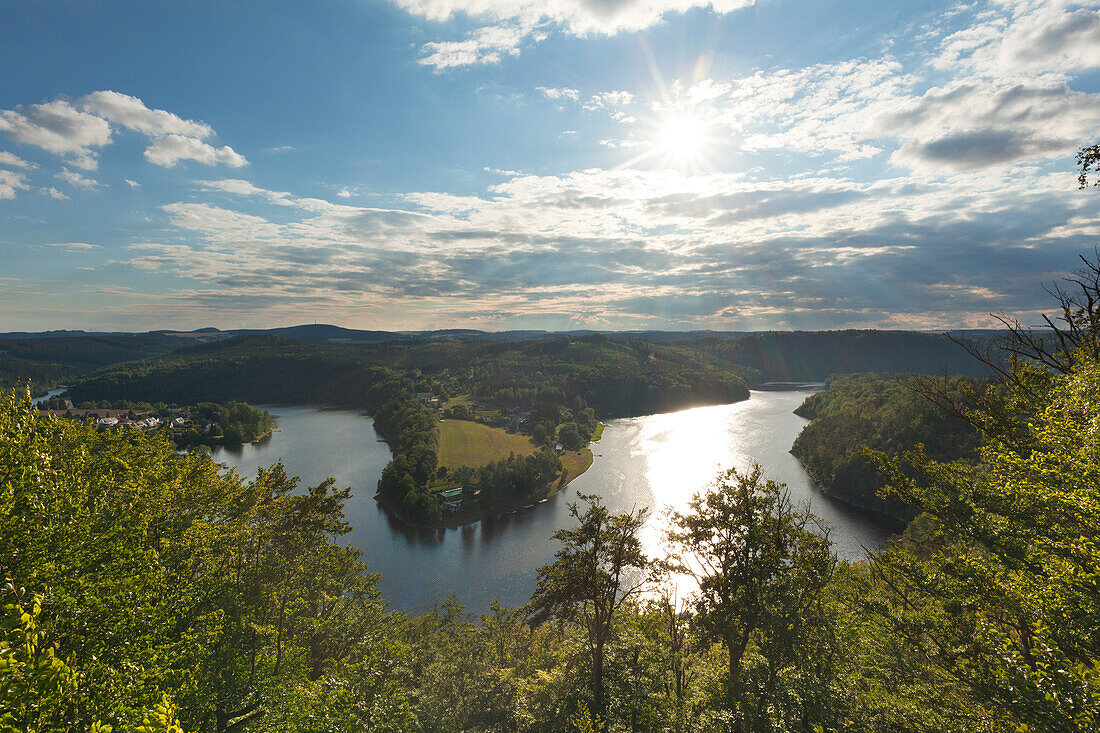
x=682, y=138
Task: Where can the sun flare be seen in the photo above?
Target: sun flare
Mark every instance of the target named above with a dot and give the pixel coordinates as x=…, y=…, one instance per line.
x=682, y=138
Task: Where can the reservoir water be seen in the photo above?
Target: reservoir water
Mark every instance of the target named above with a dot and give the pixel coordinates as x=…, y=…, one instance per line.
x=657, y=461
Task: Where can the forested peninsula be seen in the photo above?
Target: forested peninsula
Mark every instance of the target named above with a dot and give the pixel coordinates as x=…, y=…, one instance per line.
x=858, y=413
x=550, y=390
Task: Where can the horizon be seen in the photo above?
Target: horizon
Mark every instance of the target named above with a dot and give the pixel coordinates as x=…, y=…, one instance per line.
x=550, y=165
x=621, y=332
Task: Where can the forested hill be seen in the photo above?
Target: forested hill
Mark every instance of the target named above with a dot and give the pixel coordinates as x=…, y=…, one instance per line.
x=56, y=359
x=806, y=356
x=614, y=376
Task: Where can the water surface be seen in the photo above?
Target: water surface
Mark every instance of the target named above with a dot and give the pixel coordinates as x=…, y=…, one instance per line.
x=656, y=461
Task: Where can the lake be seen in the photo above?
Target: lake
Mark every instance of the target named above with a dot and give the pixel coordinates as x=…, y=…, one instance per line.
x=657, y=461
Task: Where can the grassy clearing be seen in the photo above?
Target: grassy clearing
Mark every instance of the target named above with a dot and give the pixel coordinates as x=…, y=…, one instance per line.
x=462, y=400
x=598, y=432
x=466, y=443
x=573, y=464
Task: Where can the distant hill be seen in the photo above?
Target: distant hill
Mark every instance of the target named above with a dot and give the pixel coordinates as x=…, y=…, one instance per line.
x=62, y=356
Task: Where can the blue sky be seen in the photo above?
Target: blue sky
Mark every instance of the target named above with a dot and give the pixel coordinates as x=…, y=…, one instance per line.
x=559, y=164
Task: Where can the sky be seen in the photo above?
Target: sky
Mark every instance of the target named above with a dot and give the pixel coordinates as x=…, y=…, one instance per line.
x=553, y=164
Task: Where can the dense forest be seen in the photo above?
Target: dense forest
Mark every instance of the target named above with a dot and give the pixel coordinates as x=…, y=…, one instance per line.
x=146, y=591
x=887, y=413
x=51, y=359
x=47, y=362
x=614, y=376
x=801, y=356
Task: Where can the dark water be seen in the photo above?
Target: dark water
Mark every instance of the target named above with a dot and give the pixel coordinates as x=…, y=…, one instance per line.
x=51, y=393
x=656, y=461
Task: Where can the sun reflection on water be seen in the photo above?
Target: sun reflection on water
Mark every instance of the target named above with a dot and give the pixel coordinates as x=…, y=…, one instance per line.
x=684, y=451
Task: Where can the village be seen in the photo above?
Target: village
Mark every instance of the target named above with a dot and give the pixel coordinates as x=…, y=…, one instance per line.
x=108, y=419
x=206, y=423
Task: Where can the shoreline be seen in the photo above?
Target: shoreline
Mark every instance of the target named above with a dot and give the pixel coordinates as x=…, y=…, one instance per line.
x=880, y=515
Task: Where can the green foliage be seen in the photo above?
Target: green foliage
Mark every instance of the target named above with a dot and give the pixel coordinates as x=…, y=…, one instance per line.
x=762, y=573
x=1007, y=603
x=165, y=576
x=161, y=719
x=187, y=599
x=597, y=569
x=516, y=477
x=584, y=721
x=1088, y=162
x=538, y=385
x=39, y=691
x=231, y=424
x=47, y=361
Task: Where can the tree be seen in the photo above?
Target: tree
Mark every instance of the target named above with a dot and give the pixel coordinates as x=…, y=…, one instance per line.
x=1088, y=160
x=760, y=570
x=569, y=435
x=1008, y=605
x=599, y=566
x=1006, y=602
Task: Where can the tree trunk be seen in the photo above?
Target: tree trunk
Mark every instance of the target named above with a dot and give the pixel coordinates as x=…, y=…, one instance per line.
x=733, y=689
x=736, y=648
x=597, y=676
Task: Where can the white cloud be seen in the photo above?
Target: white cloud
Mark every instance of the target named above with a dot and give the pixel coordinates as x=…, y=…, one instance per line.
x=974, y=124
x=239, y=187
x=10, y=159
x=55, y=194
x=131, y=112
x=1018, y=39
x=344, y=193
x=656, y=246
x=559, y=93
x=169, y=150
x=862, y=108
x=605, y=100
x=75, y=179
x=10, y=181
x=132, y=184
x=59, y=128
x=509, y=23
x=575, y=16
x=483, y=46
x=72, y=246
